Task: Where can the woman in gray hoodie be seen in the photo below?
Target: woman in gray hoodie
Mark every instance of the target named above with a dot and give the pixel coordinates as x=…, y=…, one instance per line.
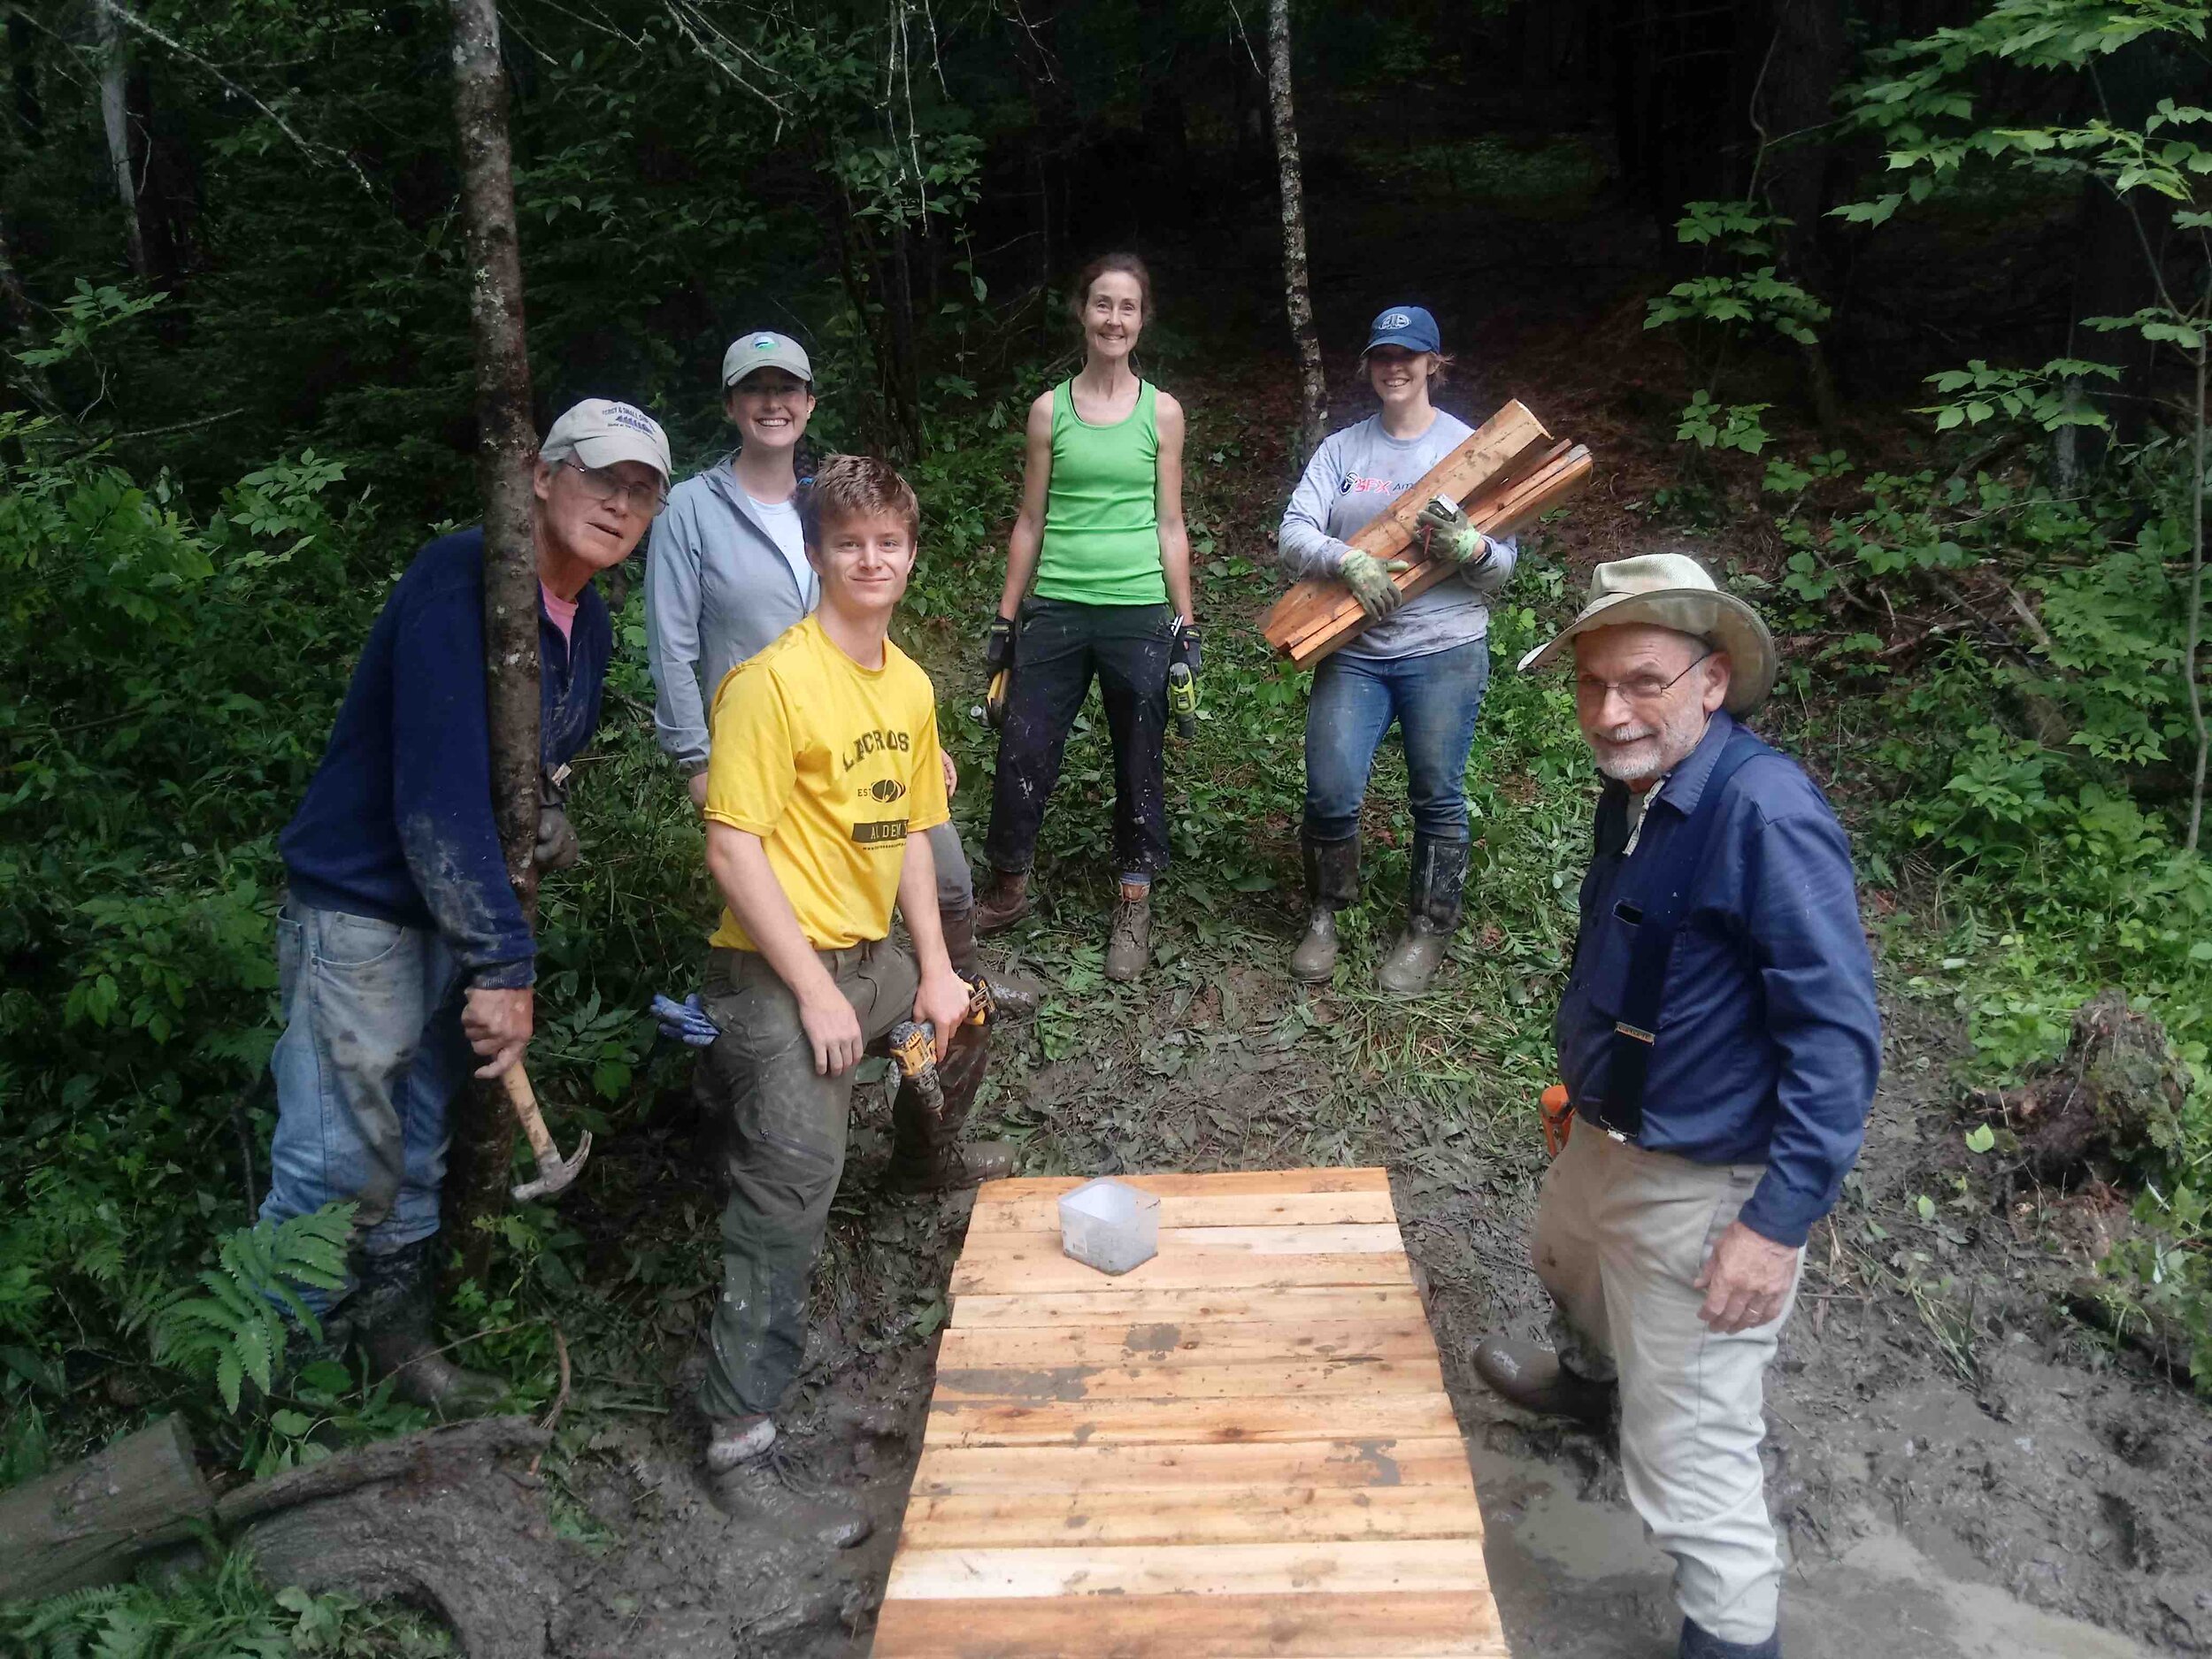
x=1422, y=662
x=726, y=572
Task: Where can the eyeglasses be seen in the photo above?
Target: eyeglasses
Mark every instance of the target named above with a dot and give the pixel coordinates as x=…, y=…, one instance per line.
x=646, y=500
x=1643, y=688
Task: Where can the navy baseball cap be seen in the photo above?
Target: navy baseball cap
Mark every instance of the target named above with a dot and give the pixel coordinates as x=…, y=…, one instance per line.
x=1407, y=326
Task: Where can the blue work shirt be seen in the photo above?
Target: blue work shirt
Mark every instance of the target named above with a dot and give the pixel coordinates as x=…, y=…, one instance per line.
x=398, y=822
x=1769, y=1039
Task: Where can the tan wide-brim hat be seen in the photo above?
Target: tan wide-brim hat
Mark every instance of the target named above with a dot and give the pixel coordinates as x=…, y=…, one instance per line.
x=1672, y=590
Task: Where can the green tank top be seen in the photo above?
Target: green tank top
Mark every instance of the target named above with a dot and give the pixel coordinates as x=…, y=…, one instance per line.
x=1102, y=541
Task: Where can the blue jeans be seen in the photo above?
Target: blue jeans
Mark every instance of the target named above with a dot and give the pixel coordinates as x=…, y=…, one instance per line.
x=371, y=1059
x=1434, y=698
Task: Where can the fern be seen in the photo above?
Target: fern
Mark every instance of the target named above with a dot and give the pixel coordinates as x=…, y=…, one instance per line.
x=236, y=1331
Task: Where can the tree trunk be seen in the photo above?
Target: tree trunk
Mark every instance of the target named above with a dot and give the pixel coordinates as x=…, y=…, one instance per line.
x=115, y=122
x=1313, y=389
x=506, y=444
x=31, y=378
x=85, y=1524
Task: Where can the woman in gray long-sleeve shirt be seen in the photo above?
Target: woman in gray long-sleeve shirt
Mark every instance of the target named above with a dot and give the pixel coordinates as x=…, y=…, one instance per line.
x=1422, y=662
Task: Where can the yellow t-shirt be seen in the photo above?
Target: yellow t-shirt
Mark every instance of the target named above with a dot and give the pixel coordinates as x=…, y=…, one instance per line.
x=833, y=765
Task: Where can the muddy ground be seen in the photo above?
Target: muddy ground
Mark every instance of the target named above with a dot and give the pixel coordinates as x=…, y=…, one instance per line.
x=1961, y=1472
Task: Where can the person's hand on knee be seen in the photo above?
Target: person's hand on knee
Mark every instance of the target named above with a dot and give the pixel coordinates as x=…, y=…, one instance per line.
x=497, y=1023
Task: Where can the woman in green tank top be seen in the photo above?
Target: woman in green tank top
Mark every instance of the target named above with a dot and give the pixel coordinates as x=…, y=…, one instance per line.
x=1100, y=529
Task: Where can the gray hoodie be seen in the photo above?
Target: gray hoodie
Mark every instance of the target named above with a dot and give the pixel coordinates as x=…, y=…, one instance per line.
x=717, y=590
x=1355, y=475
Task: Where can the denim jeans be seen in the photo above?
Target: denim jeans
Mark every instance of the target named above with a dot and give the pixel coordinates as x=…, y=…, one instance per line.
x=1434, y=698
x=371, y=1059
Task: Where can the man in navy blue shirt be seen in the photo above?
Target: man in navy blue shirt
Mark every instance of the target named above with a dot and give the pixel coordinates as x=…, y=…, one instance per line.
x=401, y=946
x=1719, y=1043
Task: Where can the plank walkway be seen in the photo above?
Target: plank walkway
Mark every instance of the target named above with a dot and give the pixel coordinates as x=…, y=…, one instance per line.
x=1243, y=1447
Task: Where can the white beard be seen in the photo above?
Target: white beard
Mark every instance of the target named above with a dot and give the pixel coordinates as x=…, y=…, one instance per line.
x=1638, y=752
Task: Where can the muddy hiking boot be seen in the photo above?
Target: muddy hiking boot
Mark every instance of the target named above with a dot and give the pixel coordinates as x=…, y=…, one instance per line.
x=1432, y=899
x=1530, y=1376
x=927, y=1154
x=1003, y=901
x=1331, y=885
x=1700, y=1643
x=392, y=1322
x=757, y=1490
x=1129, y=936
x=734, y=1440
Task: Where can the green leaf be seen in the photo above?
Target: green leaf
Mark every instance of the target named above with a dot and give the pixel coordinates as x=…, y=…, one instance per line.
x=1980, y=1138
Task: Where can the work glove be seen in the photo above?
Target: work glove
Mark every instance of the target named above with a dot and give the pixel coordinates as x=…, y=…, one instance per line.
x=1447, y=531
x=1369, y=579
x=557, y=847
x=998, y=667
x=1183, y=644
x=686, y=1021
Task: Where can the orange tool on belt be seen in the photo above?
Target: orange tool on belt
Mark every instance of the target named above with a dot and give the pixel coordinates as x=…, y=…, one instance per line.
x=1559, y=1118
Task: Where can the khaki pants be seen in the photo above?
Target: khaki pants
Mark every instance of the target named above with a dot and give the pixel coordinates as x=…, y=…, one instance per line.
x=1620, y=1235
x=785, y=1150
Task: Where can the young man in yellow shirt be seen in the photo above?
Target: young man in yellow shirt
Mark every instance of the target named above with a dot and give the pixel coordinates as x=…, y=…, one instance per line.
x=822, y=783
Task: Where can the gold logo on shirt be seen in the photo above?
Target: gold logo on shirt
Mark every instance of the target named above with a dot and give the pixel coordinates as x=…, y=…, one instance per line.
x=884, y=790
x=875, y=835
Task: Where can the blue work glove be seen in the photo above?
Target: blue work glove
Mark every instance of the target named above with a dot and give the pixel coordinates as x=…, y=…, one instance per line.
x=686, y=1021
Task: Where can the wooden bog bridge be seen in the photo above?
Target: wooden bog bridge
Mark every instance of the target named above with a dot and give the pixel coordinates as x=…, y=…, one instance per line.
x=1243, y=1447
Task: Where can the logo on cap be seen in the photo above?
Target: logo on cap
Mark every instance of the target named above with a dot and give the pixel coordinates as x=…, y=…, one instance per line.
x=637, y=420
x=764, y=342
x=1397, y=319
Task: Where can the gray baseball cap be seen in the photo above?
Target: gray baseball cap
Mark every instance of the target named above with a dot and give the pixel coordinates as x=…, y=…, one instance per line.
x=600, y=432
x=764, y=351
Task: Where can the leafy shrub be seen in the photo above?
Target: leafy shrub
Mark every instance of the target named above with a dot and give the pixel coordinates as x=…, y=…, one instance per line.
x=237, y=1330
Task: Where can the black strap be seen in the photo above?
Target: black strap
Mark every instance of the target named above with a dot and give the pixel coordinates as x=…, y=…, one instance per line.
x=1662, y=896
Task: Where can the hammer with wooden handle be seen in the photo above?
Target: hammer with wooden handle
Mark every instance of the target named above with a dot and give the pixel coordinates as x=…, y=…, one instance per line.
x=554, y=1172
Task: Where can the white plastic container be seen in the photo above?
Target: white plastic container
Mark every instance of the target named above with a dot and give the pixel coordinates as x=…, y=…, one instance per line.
x=1110, y=1226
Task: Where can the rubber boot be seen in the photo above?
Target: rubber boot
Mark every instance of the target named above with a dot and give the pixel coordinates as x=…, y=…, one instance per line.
x=1432, y=899
x=959, y=930
x=1332, y=884
x=1700, y=1643
x=1129, y=937
x=754, y=1490
x=392, y=1322
x=1004, y=902
x=927, y=1154
x=1531, y=1377
x=734, y=1440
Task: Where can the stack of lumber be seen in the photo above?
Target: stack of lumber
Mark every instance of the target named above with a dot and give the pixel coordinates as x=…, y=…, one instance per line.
x=1508, y=471
x=1242, y=1446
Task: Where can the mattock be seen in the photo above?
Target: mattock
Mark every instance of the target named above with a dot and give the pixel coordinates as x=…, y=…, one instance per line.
x=554, y=1171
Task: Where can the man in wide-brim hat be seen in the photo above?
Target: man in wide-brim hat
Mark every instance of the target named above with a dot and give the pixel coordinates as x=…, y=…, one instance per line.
x=1719, y=1041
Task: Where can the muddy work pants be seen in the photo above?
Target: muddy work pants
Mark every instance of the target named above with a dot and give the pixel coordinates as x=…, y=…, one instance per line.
x=1621, y=1234
x=1059, y=646
x=785, y=1145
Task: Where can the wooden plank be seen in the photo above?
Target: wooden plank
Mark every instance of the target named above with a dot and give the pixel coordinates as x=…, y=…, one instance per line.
x=1455, y=1625
x=1329, y=596
x=1229, y=1183
x=1321, y=1304
x=1267, y=1513
x=1273, y=1378
x=1195, y=1342
x=1389, y=1566
x=1088, y=1422
x=1494, y=515
x=1039, y=1269
x=1469, y=469
x=1372, y=1238
x=1183, y=1471
x=1042, y=1214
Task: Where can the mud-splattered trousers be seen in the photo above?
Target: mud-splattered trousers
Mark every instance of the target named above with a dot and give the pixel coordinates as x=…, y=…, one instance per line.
x=1621, y=1234
x=785, y=1147
x=1059, y=646
x=371, y=1059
